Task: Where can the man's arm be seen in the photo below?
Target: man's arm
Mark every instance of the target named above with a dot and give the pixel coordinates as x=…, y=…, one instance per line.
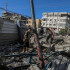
x=24, y=37
x=52, y=32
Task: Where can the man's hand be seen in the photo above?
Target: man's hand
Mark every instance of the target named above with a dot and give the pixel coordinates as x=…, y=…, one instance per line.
x=23, y=40
x=52, y=36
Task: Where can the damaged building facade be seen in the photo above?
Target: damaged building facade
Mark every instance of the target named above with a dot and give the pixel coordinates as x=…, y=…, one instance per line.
x=11, y=27
x=29, y=23
x=56, y=20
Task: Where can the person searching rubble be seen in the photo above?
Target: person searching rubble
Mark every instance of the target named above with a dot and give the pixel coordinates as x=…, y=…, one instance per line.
x=26, y=40
x=50, y=35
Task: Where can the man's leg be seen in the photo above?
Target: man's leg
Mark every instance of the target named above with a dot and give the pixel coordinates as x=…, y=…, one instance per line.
x=23, y=50
x=48, y=37
x=51, y=40
x=27, y=45
x=24, y=46
x=26, y=49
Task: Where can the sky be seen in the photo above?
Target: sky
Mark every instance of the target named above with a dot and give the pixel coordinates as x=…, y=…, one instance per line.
x=40, y=6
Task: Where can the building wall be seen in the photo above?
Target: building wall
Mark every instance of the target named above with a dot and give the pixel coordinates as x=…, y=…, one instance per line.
x=12, y=27
x=8, y=32
x=38, y=23
x=56, y=20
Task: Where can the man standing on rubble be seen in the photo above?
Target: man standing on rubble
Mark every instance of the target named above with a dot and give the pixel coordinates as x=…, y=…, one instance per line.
x=26, y=40
x=50, y=35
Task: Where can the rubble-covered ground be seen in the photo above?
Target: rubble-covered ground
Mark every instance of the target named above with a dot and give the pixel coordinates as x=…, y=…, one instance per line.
x=60, y=62
x=60, y=43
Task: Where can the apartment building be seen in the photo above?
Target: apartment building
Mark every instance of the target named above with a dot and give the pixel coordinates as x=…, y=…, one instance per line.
x=55, y=20
x=38, y=23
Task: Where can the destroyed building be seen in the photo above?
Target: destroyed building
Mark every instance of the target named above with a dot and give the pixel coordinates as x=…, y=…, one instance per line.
x=56, y=20
x=11, y=25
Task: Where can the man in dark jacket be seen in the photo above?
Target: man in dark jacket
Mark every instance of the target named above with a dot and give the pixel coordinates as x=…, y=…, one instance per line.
x=26, y=40
x=50, y=34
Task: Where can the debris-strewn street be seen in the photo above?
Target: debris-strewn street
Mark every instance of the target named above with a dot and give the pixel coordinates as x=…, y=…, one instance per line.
x=34, y=35
x=60, y=61
x=60, y=43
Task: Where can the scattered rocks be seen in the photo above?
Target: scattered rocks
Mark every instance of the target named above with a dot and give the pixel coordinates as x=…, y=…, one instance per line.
x=33, y=67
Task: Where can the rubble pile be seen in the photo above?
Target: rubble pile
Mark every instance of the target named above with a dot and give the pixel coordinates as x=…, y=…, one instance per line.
x=61, y=63
x=62, y=43
x=67, y=39
x=12, y=61
x=15, y=62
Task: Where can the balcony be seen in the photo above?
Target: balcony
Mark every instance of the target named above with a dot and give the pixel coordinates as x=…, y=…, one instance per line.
x=61, y=22
x=62, y=27
x=43, y=22
x=44, y=17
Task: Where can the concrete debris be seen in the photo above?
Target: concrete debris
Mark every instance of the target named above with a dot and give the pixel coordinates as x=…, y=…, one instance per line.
x=33, y=67
x=60, y=43
x=67, y=39
x=62, y=63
